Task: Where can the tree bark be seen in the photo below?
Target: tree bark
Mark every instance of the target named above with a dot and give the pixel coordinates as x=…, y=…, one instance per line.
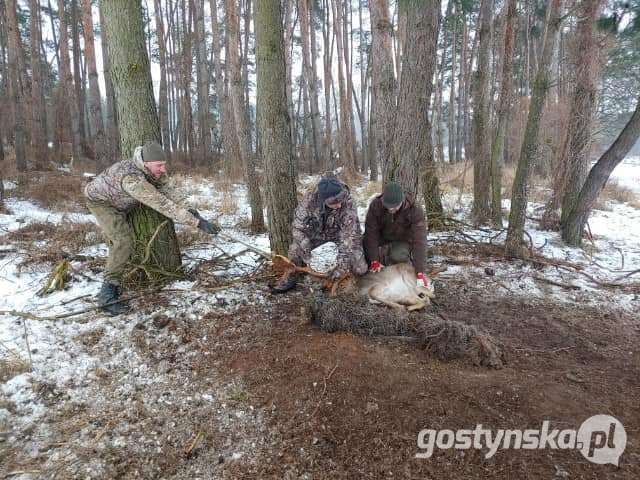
x=308, y=66
x=273, y=124
x=227, y=129
x=412, y=159
x=541, y=85
x=583, y=106
x=383, y=84
x=462, y=79
x=480, y=127
x=497, y=147
x=575, y=220
x=78, y=79
x=202, y=74
x=39, y=148
x=17, y=95
x=139, y=123
x=242, y=128
x=451, y=125
x=346, y=142
x=328, y=83
x=95, y=100
x=111, y=116
x=163, y=103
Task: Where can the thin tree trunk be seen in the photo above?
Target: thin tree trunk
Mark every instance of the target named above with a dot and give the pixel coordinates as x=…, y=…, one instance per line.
x=497, y=147
x=163, y=104
x=242, y=127
x=451, y=126
x=575, y=220
x=17, y=95
x=315, y=108
x=346, y=146
x=273, y=124
x=308, y=65
x=39, y=147
x=77, y=75
x=95, y=100
x=480, y=128
x=111, y=116
x=139, y=123
x=462, y=78
x=520, y=192
x=202, y=71
x=328, y=82
x=583, y=106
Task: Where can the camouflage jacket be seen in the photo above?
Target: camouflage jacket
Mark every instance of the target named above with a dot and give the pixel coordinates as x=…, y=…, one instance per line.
x=313, y=226
x=125, y=184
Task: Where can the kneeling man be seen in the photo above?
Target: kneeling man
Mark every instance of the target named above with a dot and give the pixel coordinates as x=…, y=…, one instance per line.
x=395, y=231
x=326, y=214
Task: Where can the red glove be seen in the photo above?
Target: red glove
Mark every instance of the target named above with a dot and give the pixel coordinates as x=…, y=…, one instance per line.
x=422, y=280
x=375, y=266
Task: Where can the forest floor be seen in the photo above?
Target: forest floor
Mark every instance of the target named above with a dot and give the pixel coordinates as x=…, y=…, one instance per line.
x=212, y=377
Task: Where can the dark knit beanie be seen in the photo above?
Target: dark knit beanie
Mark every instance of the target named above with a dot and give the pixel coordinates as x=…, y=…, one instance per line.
x=392, y=195
x=328, y=188
x=153, y=152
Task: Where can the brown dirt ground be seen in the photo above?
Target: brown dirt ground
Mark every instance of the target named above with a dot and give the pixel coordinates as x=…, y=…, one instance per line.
x=351, y=407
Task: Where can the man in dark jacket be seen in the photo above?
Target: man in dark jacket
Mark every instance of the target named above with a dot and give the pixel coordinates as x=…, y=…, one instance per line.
x=395, y=231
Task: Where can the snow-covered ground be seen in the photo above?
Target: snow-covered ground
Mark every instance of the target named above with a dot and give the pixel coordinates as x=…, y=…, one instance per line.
x=53, y=356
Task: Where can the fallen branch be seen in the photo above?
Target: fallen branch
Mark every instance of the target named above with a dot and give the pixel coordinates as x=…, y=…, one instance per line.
x=567, y=286
x=324, y=390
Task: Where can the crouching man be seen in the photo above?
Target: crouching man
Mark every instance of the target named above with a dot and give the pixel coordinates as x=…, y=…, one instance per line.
x=326, y=214
x=395, y=232
x=120, y=188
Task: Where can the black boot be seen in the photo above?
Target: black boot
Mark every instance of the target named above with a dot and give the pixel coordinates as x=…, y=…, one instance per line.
x=286, y=283
x=108, y=294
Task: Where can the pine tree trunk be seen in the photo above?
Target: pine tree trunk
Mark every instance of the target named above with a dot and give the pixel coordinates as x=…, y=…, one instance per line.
x=139, y=123
x=497, y=147
x=480, y=128
x=229, y=139
x=273, y=125
x=163, y=104
x=111, y=116
x=308, y=67
x=39, y=147
x=462, y=79
x=583, y=106
x=328, y=82
x=383, y=84
x=202, y=74
x=346, y=151
x=78, y=79
x=541, y=85
x=575, y=220
x=242, y=128
x=451, y=125
x=95, y=101
x=412, y=158
x=17, y=95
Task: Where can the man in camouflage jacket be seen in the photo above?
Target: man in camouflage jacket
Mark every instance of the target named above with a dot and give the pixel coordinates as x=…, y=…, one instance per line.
x=326, y=214
x=120, y=188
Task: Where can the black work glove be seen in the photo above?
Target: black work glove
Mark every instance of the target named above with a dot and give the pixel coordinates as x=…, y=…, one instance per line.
x=195, y=213
x=211, y=228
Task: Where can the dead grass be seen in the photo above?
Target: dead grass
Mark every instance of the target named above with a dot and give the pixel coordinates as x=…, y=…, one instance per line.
x=52, y=190
x=614, y=192
x=49, y=243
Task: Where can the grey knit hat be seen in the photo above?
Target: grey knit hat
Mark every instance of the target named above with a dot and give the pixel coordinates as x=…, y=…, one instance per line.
x=392, y=196
x=153, y=152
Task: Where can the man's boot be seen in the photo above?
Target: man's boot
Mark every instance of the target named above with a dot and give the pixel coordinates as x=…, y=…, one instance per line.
x=286, y=282
x=108, y=294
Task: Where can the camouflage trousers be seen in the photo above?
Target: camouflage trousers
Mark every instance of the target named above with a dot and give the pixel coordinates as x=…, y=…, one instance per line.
x=119, y=238
x=300, y=254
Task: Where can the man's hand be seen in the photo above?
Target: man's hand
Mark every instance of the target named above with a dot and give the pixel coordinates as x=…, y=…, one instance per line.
x=211, y=228
x=337, y=274
x=422, y=280
x=375, y=266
